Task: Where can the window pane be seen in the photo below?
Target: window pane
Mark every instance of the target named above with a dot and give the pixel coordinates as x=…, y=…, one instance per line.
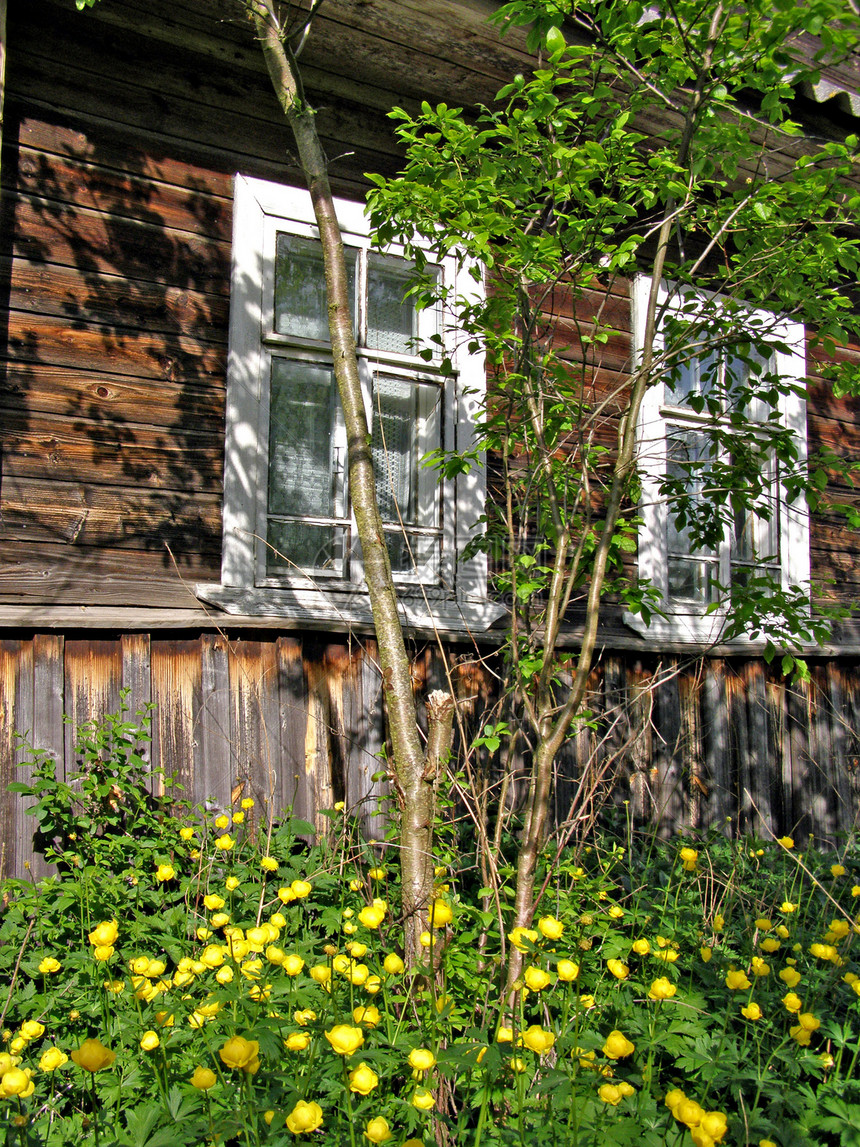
x=393, y=444
x=686, y=450
x=696, y=373
x=300, y=296
x=304, y=545
x=419, y=554
x=392, y=322
x=692, y=580
x=304, y=469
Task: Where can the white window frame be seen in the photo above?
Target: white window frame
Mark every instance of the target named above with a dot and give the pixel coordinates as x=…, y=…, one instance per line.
x=449, y=594
x=685, y=623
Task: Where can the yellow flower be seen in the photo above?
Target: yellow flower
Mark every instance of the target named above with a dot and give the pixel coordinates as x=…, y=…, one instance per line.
x=615, y=912
x=16, y=1081
x=441, y=914
x=536, y=979
x=345, y=1040
x=662, y=989
x=301, y=889
x=362, y=1079
x=737, y=980
x=766, y=1143
x=422, y=1099
x=240, y=1054
x=609, y=1093
x=103, y=952
x=377, y=1130
x=238, y=818
x=752, y=1012
x=763, y=924
x=213, y=902
x=586, y=1002
x=247, y=803
x=376, y=873
x=104, y=934
x=149, y=1041
x=759, y=967
x=673, y=1098
x=809, y=1022
x=93, y=1056
x=618, y=969
x=393, y=964
x=715, y=1124
x=689, y=1112
x=304, y=1016
x=771, y=944
x=225, y=843
x=550, y=927
x=186, y=832
x=293, y=964
x=231, y=883
x=298, y=1041
x=538, y=1039
x=787, y=907
x=689, y=856
x=49, y=965
x=165, y=872
x=617, y=1046
x=824, y=952
x=642, y=947
x=52, y=1059
x=793, y=1002
x=790, y=977
x=523, y=938
x=368, y=1015
x=222, y=822
x=706, y=954
x=567, y=970
x=421, y=1059
x=32, y=1029
x=837, y=869
x=269, y=864
x=719, y=923
x=800, y=1035
x=304, y=1117
x=786, y=842
x=371, y=917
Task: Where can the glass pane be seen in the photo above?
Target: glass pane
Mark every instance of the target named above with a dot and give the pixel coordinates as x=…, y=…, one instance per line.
x=685, y=449
x=303, y=465
x=393, y=444
x=755, y=538
x=305, y=546
x=300, y=295
x=392, y=322
x=695, y=374
x=423, y=551
x=690, y=580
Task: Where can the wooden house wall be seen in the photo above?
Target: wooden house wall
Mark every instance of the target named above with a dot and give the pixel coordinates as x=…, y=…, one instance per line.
x=123, y=127
x=298, y=721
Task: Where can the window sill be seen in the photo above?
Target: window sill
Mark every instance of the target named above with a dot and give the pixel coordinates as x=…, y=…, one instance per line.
x=334, y=609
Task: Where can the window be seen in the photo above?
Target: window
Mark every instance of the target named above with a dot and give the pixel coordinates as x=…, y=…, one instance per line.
x=290, y=546
x=729, y=384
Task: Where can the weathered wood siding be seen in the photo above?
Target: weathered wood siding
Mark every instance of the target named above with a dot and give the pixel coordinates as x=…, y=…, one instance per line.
x=298, y=720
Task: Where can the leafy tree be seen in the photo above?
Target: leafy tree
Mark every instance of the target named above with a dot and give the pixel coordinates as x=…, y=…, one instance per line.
x=657, y=140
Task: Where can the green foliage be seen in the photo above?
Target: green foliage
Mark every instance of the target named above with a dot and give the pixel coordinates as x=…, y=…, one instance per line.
x=723, y=973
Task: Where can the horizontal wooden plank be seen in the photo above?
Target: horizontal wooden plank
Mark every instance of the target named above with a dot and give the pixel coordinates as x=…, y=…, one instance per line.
x=84, y=297
x=79, y=575
x=105, y=398
x=80, y=237
x=108, y=145
x=105, y=454
x=113, y=349
x=36, y=511
x=119, y=194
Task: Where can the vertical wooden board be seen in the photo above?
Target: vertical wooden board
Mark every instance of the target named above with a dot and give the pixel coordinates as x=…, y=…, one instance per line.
x=293, y=790
x=690, y=747
x=25, y=699
x=719, y=807
x=838, y=777
x=137, y=684
x=614, y=751
x=818, y=780
x=176, y=689
x=757, y=774
x=336, y=659
x=738, y=740
x=641, y=705
x=776, y=731
x=256, y=721
x=851, y=709
x=797, y=707
x=670, y=796
x=10, y=657
x=318, y=762
x=213, y=758
x=48, y=725
x=93, y=676
x=363, y=712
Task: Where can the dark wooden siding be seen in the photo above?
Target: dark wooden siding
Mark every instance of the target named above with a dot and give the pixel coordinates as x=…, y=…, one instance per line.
x=298, y=720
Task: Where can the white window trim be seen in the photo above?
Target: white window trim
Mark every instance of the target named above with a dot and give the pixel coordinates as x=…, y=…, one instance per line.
x=458, y=601
x=690, y=626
